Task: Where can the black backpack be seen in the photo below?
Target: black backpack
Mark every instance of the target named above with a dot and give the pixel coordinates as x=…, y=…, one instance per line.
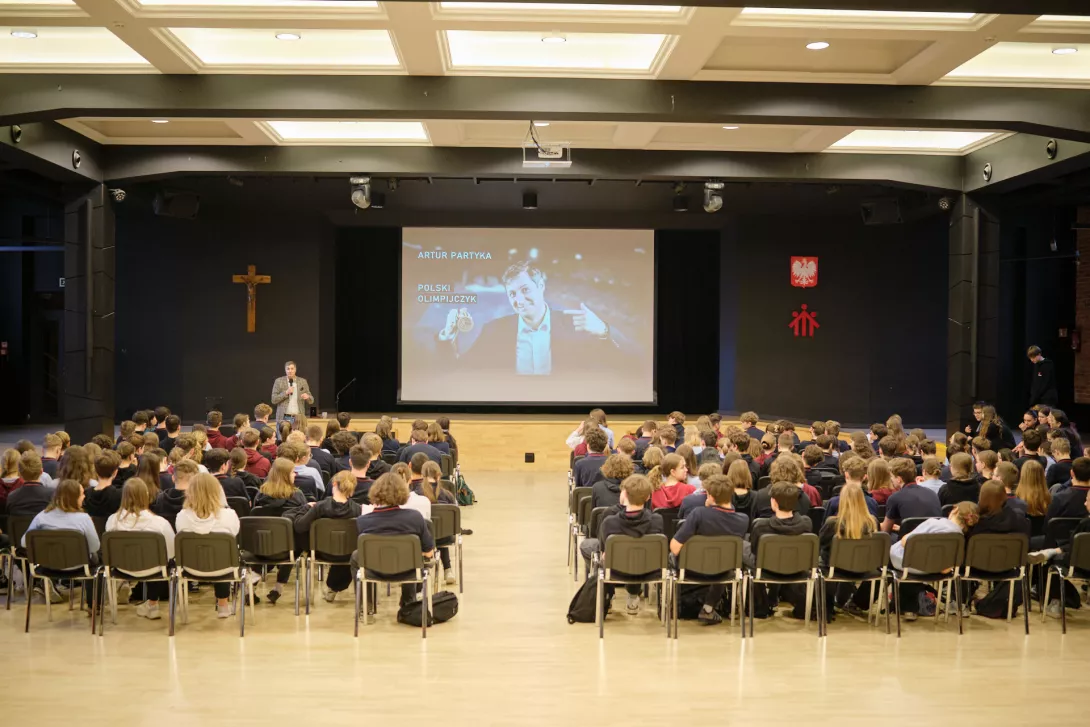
x=444, y=607
x=584, y=603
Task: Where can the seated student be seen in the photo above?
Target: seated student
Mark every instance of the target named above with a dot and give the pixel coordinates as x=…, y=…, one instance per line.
x=76, y=464
x=958, y=443
x=740, y=443
x=853, y=521
x=912, y=450
x=414, y=502
x=205, y=512
x=240, y=421
x=685, y=451
x=256, y=463
x=1029, y=494
x=606, y=492
x=1060, y=471
x=647, y=432
x=879, y=480
x=262, y=413
x=172, y=427
x=832, y=429
x=51, y=452
x=341, y=444
x=743, y=499
x=385, y=430
x=340, y=506
x=158, y=420
x=171, y=501
x=861, y=446
x=830, y=453
x=875, y=435
x=749, y=425
x=65, y=512
x=277, y=496
x=135, y=515
x=908, y=499
x=358, y=460
x=815, y=430
x=986, y=461
x=812, y=493
x=698, y=496
x=321, y=457
x=418, y=442
x=9, y=475
x=651, y=458
x=307, y=479
x=267, y=445
x=813, y=461
x=962, y=485
x=444, y=425
x=344, y=419
x=889, y=447
x=429, y=485
x=716, y=517
x=996, y=516
x=786, y=468
x=854, y=470
x=1031, y=444
x=375, y=467
x=437, y=439
x=1066, y=502
x=127, y=467
x=635, y=521
x=962, y=517
x=149, y=470
x=103, y=441
x=586, y=470
x=669, y=482
x=1007, y=475
x=238, y=462
x=125, y=430
x=331, y=428
x=929, y=475
x=785, y=444
x=626, y=447
x=387, y=515
x=785, y=498
x=667, y=439
x=32, y=496
x=105, y=499
x=218, y=462
x=215, y=438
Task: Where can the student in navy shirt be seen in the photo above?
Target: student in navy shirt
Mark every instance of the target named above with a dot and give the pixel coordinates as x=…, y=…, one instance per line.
x=388, y=517
x=320, y=456
x=385, y=429
x=1060, y=471
x=587, y=469
x=419, y=443
x=1031, y=442
x=749, y=424
x=1068, y=502
x=647, y=433
x=717, y=517
x=854, y=469
x=51, y=452
x=908, y=499
x=218, y=462
x=437, y=438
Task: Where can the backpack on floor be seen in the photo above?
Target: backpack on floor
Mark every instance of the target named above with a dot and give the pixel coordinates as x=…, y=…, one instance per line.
x=584, y=603
x=462, y=492
x=444, y=607
x=994, y=605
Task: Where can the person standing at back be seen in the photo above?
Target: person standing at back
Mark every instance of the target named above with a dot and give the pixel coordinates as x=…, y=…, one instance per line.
x=1042, y=387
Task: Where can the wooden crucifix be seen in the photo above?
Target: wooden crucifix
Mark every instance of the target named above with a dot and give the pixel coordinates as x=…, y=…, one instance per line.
x=252, y=280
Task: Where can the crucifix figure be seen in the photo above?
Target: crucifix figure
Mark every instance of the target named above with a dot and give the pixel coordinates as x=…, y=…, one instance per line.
x=252, y=280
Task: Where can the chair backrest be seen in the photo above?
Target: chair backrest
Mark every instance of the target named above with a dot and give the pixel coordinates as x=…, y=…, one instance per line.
x=207, y=554
x=595, y=523
x=1036, y=525
x=17, y=527
x=100, y=524
x=446, y=520
x=763, y=482
x=267, y=537
x=447, y=484
x=710, y=555
x=252, y=492
x=1058, y=531
x=332, y=538
x=266, y=511
x=635, y=556
x=817, y=518
x=934, y=552
x=135, y=552
x=946, y=510
x=308, y=487
x=577, y=494
x=446, y=464
x=787, y=554
x=911, y=523
x=241, y=505
x=998, y=552
x=860, y=556
x=57, y=549
x=582, y=514
x=881, y=513
x=830, y=480
x=1080, y=552
x=669, y=520
x=837, y=488
x=389, y=458
x=389, y=555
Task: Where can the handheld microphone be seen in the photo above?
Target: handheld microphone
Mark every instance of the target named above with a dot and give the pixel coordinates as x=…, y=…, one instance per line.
x=291, y=382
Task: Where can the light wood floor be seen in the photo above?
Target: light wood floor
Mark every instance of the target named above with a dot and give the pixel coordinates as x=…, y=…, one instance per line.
x=510, y=657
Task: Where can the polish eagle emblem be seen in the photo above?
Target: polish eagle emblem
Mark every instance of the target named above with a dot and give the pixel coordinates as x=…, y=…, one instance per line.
x=804, y=272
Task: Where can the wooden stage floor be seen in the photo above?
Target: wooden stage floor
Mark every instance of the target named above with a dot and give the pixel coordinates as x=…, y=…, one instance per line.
x=510, y=657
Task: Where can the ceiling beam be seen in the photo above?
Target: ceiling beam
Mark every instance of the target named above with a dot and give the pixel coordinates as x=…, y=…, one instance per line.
x=1061, y=113
x=129, y=163
x=1019, y=161
x=943, y=56
x=696, y=42
x=416, y=38
x=1049, y=7
x=154, y=45
x=46, y=149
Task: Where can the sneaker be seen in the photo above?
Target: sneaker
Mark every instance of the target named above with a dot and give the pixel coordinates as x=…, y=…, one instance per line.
x=1054, y=609
x=327, y=594
x=1042, y=556
x=223, y=611
x=910, y=616
x=450, y=578
x=148, y=612
x=274, y=596
x=709, y=618
x=55, y=597
x=633, y=603
x=466, y=531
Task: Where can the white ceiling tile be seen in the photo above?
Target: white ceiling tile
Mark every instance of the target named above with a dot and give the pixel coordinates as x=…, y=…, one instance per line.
x=603, y=52
x=78, y=49
x=250, y=48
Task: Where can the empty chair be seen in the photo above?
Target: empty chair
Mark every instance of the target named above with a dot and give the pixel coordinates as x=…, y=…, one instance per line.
x=710, y=560
x=59, y=554
x=631, y=561
x=269, y=542
x=1076, y=571
x=135, y=556
x=390, y=559
x=930, y=558
x=1000, y=558
x=863, y=560
x=785, y=559
x=331, y=543
x=207, y=558
x=389, y=458
x=447, y=527
x=577, y=494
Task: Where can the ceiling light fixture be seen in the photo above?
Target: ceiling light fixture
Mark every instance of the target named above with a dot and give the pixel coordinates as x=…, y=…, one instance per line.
x=713, y=199
x=1055, y=51
x=361, y=191
x=817, y=45
x=288, y=36
x=24, y=34
x=541, y=124
x=730, y=128
x=160, y=121
x=553, y=38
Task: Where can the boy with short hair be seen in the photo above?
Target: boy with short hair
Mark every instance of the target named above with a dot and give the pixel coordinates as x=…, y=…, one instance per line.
x=832, y=428
x=215, y=437
x=127, y=467
x=963, y=485
x=419, y=443
x=785, y=498
x=444, y=424
x=126, y=430
x=877, y=431
x=159, y=416
x=813, y=457
x=668, y=437
x=314, y=436
x=786, y=468
x=141, y=419
x=262, y=412
x=359, y=459
x=677, y=420
x=1060, y=470
x=717, y=517
x=854, y=469
x=299, y=453
x=105, y=499
x=344, y=419
x=172, y=426
x=635, y=521
x=340, y=506
x=171, y=500
x=749, y=424
x=218, y=462
x=888, y=446
x=51, y=452
x=256, y=463
x=831, y=455
x=376, y=467
x=32, y=496
x=908, y=499
x=627, y=447
x=1031, y=443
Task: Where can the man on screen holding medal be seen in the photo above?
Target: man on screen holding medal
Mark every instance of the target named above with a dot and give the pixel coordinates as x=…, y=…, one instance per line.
x=535, y=340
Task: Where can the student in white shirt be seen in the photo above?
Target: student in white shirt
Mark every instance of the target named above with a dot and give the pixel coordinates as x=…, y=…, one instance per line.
x=135, y=516
x=415, y=502
x=930, y=477
x=205, y=512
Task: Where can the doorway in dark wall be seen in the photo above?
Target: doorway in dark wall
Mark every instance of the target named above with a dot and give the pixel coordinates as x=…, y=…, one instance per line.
x=45, y=339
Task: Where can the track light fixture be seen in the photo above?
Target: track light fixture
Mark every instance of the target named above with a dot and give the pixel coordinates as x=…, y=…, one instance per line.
x=713, y=199
x=529, y=200
x=361, y=191
x=681, y=203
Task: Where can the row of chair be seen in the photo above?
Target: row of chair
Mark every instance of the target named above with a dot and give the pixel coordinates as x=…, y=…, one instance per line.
x=941, y=559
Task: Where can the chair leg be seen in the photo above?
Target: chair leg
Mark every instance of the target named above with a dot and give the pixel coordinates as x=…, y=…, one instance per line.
x=306, y=574
x=94, y=601
x=72, y=594
x=870, y=610
x=1010, y=601
x=599, y=601
x=425, y=607
x=809, y=602
x=172, y=597
x=733, y=600
x=820, y=605
x=11, y=581
x=461, y=580
x=673, y=605
x=357, y=602
x=296, y=568
x=956, y=585
x=47, y=586
x=1025, y=600
x=1048, y=592
x=250, y=592
x=749, y=595
x=28, y=586
x=897, y=605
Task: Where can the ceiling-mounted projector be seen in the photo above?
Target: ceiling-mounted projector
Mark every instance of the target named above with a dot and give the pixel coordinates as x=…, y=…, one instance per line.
x=554, y=155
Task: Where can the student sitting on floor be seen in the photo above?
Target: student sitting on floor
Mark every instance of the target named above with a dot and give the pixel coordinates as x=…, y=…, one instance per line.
x=205, y=512
x=606, y=492
x=635, y=521
x=716, y=517
x=340, y=506
x=669, y=482
x=135, y=515
x=586, y=470
x=909, y=499
x=389, y=515
x=854, y=470
x=853, y=521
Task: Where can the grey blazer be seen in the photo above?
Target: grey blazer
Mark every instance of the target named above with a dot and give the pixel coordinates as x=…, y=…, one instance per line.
x=280, y=395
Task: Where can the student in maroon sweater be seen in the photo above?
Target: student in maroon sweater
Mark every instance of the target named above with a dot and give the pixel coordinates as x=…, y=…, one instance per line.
x=215, y=438
x=669, y=482
x=256, y=463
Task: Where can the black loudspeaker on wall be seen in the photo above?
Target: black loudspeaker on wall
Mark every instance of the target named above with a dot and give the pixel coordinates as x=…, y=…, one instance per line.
x=881, y=212
x=176, y=204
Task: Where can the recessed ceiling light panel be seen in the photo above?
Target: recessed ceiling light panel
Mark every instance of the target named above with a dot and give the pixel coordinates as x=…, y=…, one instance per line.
x=288, y=36
x=553, y=38
x=160, y=121
x=1066, y=51
x=817, y=45
x=24, y=33
x=586, y=52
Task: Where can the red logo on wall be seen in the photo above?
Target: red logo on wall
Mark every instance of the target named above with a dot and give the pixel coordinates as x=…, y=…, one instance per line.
x=803, y=322
x=804, y=272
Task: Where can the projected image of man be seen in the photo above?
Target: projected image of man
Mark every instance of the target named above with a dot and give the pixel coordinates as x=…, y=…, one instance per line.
x=535, y=340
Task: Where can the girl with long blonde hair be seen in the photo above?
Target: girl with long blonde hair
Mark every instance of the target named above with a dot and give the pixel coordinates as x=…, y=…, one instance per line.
x=135, y=516
x=205, y=511
x=1032, y=488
